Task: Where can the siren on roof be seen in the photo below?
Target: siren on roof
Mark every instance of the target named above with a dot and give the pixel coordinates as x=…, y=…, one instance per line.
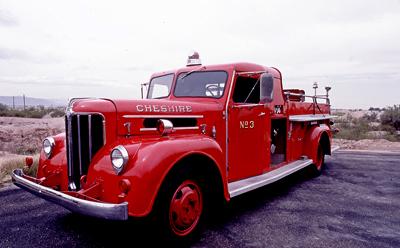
x=193, y=59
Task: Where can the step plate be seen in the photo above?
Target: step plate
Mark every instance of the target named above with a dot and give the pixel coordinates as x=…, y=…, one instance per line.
x=245, y=185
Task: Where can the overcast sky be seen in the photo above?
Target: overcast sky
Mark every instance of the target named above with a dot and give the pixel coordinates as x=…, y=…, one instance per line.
x=62, y=49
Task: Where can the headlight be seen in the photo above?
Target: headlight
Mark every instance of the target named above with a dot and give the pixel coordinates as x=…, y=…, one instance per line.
x=48, y=146
x=119, y=158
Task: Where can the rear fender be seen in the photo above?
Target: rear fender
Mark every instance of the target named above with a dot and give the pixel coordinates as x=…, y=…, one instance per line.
x=317, y=135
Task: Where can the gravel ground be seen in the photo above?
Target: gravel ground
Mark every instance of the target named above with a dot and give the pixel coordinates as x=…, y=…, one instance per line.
x=354, y=203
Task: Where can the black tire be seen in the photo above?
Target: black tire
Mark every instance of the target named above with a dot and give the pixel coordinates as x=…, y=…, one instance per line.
x=318, y=165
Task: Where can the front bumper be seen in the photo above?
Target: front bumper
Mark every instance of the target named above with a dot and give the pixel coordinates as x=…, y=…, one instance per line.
x=108, y=211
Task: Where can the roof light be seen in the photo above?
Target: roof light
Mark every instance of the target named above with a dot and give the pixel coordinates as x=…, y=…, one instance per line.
x=193, y=59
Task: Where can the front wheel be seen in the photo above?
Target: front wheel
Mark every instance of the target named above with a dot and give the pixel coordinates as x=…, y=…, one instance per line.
x=186, y=208
x=181, y=209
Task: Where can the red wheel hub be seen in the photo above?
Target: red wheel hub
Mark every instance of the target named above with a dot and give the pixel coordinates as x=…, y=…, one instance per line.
x=185, y=208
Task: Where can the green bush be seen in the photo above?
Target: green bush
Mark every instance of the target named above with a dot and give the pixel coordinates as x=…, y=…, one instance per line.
x=361, y=128
x=31, y=112
x=391, y=117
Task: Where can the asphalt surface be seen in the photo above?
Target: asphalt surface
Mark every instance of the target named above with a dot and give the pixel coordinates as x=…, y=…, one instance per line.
x=354, y=203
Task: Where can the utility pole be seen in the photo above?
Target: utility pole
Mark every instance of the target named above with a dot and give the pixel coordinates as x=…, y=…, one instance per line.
x=13, y=102
x=23, y=96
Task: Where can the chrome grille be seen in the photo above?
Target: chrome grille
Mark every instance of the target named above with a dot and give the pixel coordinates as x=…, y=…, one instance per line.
x=85, y=135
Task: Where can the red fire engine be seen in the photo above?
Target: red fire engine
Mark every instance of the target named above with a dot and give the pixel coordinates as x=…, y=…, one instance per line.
x=203, y=134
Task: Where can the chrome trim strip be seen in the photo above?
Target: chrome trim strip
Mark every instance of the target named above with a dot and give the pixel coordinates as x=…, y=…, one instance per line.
x=311, y=117
x=79, y=143
x=251, y=72
x=175, y=128
x=90, y=136
x=104, y=131
x=250, y=105
x=186, y=128
x=148, y=129
x=162, y=116
x=227, y=126
x=245, y=185
x=103, y=210
x=71, y=184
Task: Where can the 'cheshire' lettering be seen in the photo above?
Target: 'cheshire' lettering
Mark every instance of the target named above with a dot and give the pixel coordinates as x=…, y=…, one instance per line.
x=164, y=108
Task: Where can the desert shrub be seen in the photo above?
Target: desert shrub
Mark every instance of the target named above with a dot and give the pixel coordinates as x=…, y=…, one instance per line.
x=57, y=112
x=391, y=117
x=6, y=167
x=352, y=128
x=31, y=112
x=3, y=107
x=362, y=128
x=370, y=117
x=375, y=109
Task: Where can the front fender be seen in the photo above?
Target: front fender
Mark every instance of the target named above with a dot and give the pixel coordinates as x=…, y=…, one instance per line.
x=313, y=138
x=153, y=158
x=56, y=164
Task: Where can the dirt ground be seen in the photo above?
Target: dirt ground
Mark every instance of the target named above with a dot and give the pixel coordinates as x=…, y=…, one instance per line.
x=23, y=136
x=368, y=144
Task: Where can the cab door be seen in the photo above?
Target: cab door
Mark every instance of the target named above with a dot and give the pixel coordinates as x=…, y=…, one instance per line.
x=248, y=141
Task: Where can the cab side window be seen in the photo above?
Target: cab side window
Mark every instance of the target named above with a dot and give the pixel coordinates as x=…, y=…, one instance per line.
x=247, y=90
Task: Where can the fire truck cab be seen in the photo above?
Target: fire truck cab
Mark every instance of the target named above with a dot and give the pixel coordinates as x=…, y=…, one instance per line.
x=201, y=135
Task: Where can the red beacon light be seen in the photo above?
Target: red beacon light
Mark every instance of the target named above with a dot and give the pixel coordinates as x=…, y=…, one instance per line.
x=193, y=59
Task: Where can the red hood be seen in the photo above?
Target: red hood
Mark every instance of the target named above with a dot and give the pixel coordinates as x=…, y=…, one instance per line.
x=163, y=107
x=120, y=113
x=135, y=112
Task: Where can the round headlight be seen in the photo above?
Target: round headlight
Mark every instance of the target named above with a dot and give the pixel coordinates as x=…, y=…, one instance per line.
x=48, y=145
x=119, y=158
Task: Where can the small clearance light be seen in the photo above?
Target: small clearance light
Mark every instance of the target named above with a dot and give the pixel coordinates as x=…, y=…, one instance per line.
x=83, y=180
x=164, y=127
x=193, y=59
x=29, y=161
x=119, y=158
x=48, y=146
x=124, y=186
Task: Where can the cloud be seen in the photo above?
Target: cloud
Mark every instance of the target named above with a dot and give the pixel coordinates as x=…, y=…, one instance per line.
x=6, y=19
x=36, y=57
x=346, y=43
x=7, y=54
x=58, y=81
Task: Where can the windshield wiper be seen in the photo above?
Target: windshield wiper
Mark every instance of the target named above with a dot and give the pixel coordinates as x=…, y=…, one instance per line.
x=251, y=91
x=190, y=72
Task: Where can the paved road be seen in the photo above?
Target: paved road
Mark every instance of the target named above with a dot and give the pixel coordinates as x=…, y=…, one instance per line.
x=355, y=203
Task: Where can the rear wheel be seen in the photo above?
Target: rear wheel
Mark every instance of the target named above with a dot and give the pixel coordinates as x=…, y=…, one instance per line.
x=319, y=162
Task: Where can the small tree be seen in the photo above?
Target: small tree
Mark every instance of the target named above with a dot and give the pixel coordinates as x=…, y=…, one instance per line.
x=391, y=116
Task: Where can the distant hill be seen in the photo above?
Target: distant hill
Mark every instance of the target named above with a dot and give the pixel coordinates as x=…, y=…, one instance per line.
x=31, y=101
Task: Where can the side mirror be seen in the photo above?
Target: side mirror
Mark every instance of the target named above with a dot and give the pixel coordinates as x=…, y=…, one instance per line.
x=266, y=87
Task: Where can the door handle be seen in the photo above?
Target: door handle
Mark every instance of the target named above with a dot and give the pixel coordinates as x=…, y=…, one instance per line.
x=261, y=114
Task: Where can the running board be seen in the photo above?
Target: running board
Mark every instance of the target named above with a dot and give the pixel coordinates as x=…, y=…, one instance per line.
x=245, y=185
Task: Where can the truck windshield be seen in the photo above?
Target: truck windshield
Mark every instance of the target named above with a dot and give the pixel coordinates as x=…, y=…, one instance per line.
x=160, y=87
x=201, y=84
